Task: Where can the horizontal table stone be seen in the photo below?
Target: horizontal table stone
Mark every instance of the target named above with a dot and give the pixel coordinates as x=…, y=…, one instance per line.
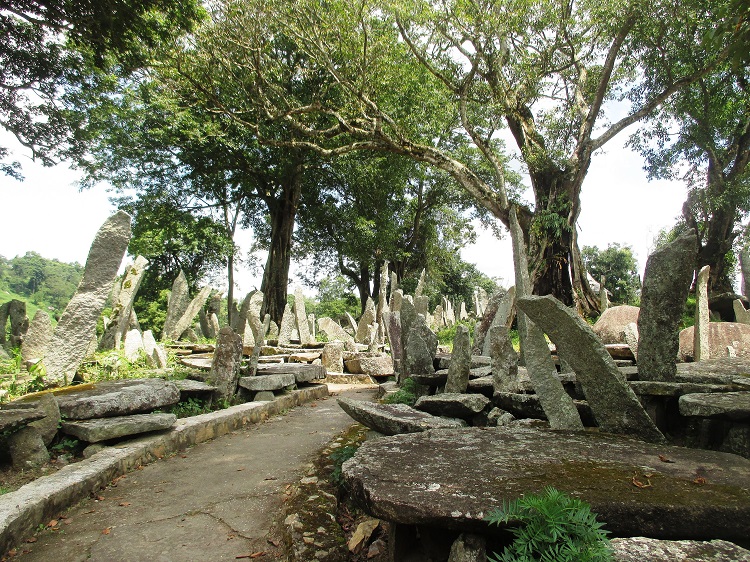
x=268, y=382
x=103, y=429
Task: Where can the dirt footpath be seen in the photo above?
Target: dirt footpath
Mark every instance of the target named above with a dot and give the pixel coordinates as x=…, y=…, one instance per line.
x=215, y=501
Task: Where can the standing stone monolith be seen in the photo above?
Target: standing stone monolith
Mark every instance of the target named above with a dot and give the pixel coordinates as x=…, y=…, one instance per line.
x=700, y=335
x=407, y=315
x=666, y=282
x=420, y=350
x=745, y=269
x=741, y=315
x=133, y=345
x=123, y=305
x=458, y=371
x=420, y=284
x=396, y=340
x=421, y=305
x=557, y=404
x=367, y=318
x=438, y=317
x=463, y=314
x=613, y=403
x=300, y=315
x=396, y=300
x=630, y=337
x=394, y=286
x=155, y=353
x=37, y=337
x=77, y=325
x=503, y=359
x=287, y=326
x=603, y=300
x=225, y=367
x=179, y=300
x=499, y=311
x=190, y=313
x=382, y=304
x=332, y=357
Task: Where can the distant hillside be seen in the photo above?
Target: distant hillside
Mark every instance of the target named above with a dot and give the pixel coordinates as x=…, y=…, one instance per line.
x=41, y=283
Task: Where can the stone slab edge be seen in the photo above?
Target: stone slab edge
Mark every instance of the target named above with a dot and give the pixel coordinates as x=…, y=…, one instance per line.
x=23, y=510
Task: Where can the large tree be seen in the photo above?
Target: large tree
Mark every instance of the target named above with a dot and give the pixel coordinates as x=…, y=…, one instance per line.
x=542, y=70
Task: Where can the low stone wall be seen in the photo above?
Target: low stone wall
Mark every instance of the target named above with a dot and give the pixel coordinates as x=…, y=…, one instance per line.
x=23, y=510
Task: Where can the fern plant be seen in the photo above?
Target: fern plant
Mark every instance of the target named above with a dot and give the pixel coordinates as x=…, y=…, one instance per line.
x=554, y=527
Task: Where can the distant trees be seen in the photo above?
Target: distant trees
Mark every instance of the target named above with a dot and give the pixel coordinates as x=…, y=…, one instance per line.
x=44, y=282
x=618, y=265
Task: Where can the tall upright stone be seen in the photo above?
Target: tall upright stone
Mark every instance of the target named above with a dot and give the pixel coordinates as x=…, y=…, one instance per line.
x=332, y=357
x=421, y=304
x=438, y=317
x=396, y=300
x=741, y=315
x=557, y=404
x=37, y=337
x=613, y=403
x=179, y=300
x=77, y=325
x=352, y=323
x=700, y=339
x=300, y=315
x=669, y=272
x=745, y=269
x=420, y=349
x=396, y=340
x=394, y=286
x=287, y=326
x=367, y=318
x=332, y=329
x=499, y=311
x=503, y=360
x=463, y=314
x=382, y=303
x=458, y=371
x=123, y=306
x=225, y=367
x=420, y=284
x=482, y=299
x=186, y=320
x=603, y=300
x=407, y=316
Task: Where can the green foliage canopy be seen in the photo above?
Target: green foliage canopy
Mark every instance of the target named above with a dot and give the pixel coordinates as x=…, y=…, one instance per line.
x=618, y=265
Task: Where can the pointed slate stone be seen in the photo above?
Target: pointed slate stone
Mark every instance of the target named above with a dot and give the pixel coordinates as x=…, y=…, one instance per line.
x=121, y=311
x=458, y=372
x=179, y=299
x=301, y=316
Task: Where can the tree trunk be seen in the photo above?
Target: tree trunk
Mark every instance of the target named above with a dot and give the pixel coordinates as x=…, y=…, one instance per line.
x=283, y=211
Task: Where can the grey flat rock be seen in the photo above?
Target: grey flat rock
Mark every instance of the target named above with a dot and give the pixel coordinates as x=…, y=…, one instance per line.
x=665, y=388
x=301, y=371
x=14, y=419
x=189, y=386
x=438, y=378
x=440, y=479
x=116, y=398
x=642, y=549
x=104, y=429
x=392, y=419
x=452, y=405
x=731, y=405
x=267, y=382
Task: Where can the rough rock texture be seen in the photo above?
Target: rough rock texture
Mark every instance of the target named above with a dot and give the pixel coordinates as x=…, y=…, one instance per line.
x=504, y=358
x=103, y=429
x=13, y=419
x=45, y=404
x=393, y=419
x=729, y=405
x=77, y=325
x=123, y=307
x=332, y=357
x=453, y=405
x=612, y=322
x=133, y=345
x=396, y=340
x=367, y=318
x=116, y=398
x=379, y=365
x=720, y=335
x=268, y=382
x=714, y=371
x=642, y=549
x=421, y=347
x=458, y=372
x=332, y=329
x=27, y=449
x=615, y=406
x=184, y=322
x=37, y=337
x=19, y=322
x=225, y=367
x=179, y=299
x=300, y=315
x=468, y=548
x=701, y=350
x=287, y=326
x=439, y=478
x=669, y=272
x=302, y=372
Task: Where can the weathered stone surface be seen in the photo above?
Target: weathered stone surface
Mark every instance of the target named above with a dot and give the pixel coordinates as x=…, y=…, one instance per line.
x=664, y=388
x=468, y=548
x=458, y=372
x=225, y=367
x=452, y=405
x=421, y=347
x=287, y=326
x=300, y=315
x=367, y=318
x=731, y=405
x=14, y=418
x=376, y=366
x=502, y=301
x=700, y=343
x=27, y=449
x=133, y=345
x=77, y=325
x=116, y=398
x=301, y=371
x=332, y=357
x=103, y=429
x=504, y=360
x=123, y=307
x=642, y=549
x=264, y=396
x=188, y=387
x=612, y=322
x=332, y=329
x=45, y=405
x=268, y=382
x=396, y=339
x=436, y=379
x=392, y=419
x=19, y=323
x=612, y=401
x=37, y=337
x=720, y=335
x=714, y=371
x=630, y=335
x=184, y=322
x=155, y=352
x=179, y=300
x=439, y=479
x=669, y=272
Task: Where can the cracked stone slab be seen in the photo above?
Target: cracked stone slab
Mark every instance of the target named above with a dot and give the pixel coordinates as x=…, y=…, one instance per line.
x=103, y=429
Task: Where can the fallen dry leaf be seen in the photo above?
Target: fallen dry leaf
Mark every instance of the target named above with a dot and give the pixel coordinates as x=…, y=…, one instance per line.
x=274, y=542
x=53, y=523
x=700, y=481
x=270, y=478
x=124, y=504
x=183, y=456
x=638, y=484
x=31, y=539
x=139, y=467
x=313, y=405
x=240, y=469
x=663, y=458
x=107, y=531
x=99, y=498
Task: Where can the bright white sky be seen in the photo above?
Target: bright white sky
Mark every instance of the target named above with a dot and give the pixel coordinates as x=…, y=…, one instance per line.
x=47, y=214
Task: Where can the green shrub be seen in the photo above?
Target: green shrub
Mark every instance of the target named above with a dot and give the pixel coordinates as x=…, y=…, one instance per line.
x=446, y=336
x=190, y=407
x=339, y=457
x=554, y=527
x=404, y=395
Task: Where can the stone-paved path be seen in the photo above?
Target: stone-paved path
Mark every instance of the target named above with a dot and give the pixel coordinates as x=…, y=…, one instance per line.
x=213, y=502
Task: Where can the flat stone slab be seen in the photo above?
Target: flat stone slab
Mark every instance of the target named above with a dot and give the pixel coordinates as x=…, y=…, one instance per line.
x=664, y=388
x=268, y=382
x=116, y=398
x=15, y=419
x=305, y=357
x=365, y=364
x=103, y=429
x=443, y=361
x=731, y=405
x=483, y=385
x=393, y=419
x=189, y=386
x=452, y=478
x=200, y=361
x=438, y=378
x=301, y=371
x=642, y=549
x=714, y=371
x=453, y=405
